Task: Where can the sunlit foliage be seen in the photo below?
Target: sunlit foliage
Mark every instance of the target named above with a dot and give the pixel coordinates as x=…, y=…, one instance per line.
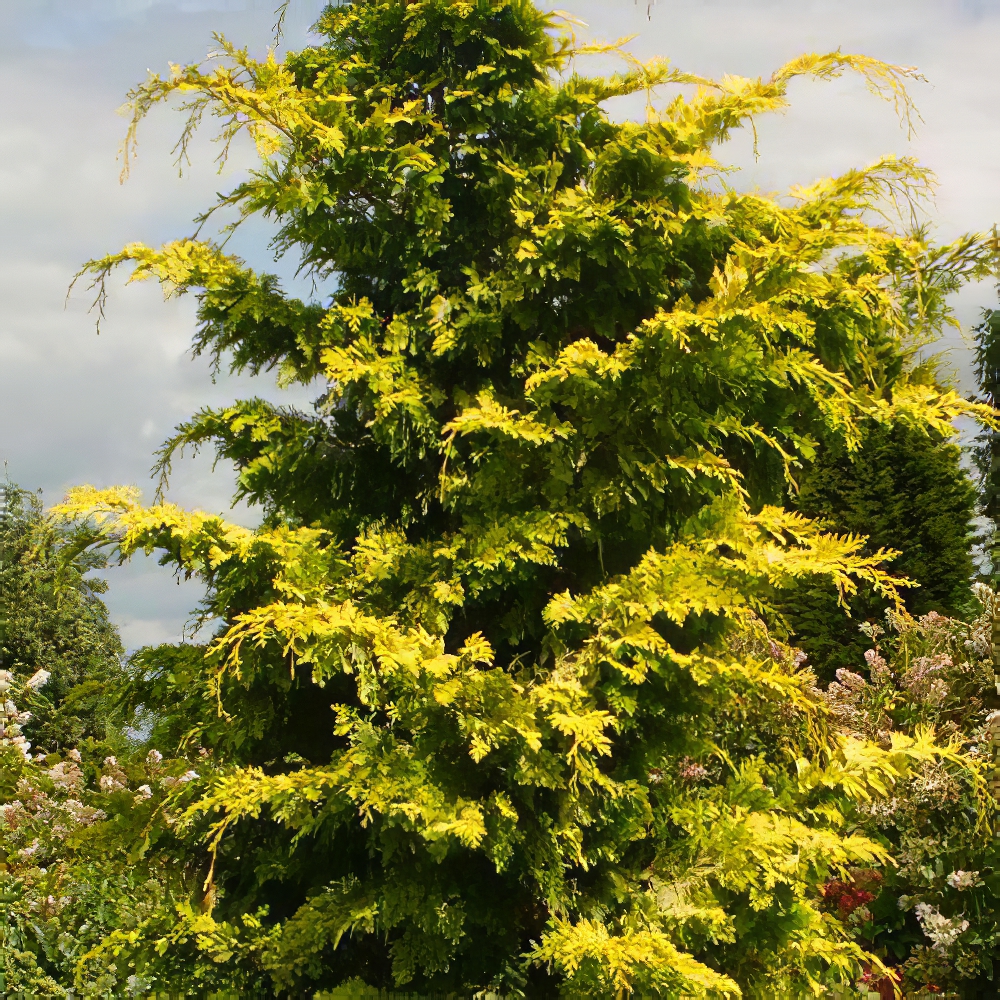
x=491, y=700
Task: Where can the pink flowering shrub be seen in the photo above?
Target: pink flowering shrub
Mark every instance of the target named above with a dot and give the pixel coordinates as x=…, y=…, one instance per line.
x=933, y=916
x=69, y=873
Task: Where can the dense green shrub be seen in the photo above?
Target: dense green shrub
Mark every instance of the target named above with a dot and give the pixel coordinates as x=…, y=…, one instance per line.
x=903, y=490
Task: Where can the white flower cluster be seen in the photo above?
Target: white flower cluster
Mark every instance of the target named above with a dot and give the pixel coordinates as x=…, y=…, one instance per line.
x=877, y=667
x=943, y=931
x=11, y=719
x=925, y=679
x=170, y=782
x=114, y=779
x=964, y=880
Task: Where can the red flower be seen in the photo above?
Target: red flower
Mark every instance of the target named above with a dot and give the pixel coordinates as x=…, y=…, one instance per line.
x=845, y=897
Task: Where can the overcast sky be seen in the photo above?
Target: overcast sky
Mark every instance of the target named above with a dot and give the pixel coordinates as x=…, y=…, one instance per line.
x=75, y=407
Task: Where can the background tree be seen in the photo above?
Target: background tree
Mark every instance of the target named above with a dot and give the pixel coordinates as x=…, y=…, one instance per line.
x=493, y=701
x=55, y=621
x=987, y=453
x=987, y=457
x=903, y=489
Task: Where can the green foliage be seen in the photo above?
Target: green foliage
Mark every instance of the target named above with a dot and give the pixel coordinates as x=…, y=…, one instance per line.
x=986, y=452
x=54, y=621
x=81, y=865
x=491, y=703
x=904, y=490
x=932, y=914
x=70, y=865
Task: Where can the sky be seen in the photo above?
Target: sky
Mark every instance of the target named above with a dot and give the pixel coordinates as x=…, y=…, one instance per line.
x=78, y=407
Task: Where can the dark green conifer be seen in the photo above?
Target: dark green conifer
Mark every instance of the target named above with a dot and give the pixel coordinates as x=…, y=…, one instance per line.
x=906, y=490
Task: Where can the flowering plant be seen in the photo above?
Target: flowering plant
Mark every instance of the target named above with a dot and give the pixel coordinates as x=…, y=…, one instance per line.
x=933, y=913
x=72, y=866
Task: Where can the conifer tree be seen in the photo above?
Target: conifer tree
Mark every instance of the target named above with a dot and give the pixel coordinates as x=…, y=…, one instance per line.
x=903, y=489
x=988, y=376
x=493, y=702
